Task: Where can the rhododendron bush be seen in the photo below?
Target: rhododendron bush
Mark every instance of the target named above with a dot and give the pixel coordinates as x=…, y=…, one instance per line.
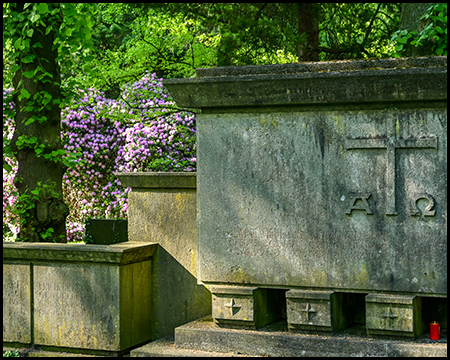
x=143, y=130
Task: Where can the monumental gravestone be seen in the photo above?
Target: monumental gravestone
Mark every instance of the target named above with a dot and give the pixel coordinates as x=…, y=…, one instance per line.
x=327, y=180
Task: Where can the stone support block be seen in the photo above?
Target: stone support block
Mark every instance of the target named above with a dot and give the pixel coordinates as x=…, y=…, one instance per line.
x=314, y=310
x=394, y=315
x=243, y=307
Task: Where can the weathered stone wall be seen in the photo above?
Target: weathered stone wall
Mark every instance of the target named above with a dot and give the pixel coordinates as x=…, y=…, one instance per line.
x=328, y=180
x=328, y=175
x=162, y=208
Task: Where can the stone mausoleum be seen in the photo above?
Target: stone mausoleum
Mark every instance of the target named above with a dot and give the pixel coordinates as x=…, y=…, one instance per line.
x=316, y=225
x=322, y=193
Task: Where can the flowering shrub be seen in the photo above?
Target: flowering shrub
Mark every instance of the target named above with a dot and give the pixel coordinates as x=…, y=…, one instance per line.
x=9, y=219
x=141, y=131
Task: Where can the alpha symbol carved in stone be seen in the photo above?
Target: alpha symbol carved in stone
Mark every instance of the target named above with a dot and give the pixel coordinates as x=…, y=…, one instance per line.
x=359, y=202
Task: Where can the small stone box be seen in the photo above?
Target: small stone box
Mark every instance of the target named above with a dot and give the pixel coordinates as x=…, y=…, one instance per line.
x=314, y=310
x=394, y=315
x=243, y=307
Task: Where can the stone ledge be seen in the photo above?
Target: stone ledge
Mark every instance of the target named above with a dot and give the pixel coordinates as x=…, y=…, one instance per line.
x=166, y=348
x=158, y=180
x=123, y=253
x=324, y=66
x=274, y=340
x=329, y=83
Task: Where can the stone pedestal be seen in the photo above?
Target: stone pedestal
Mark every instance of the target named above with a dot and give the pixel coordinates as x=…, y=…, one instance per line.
x=243, y=307
x=314, y=310
x=394, y=315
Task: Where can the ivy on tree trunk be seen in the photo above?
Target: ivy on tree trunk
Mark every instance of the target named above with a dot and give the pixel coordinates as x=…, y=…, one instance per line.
x=37, y=137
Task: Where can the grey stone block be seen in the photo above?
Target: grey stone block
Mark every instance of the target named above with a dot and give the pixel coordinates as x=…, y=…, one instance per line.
x=309, y=310
x=394, y=315
x=162, y=208
x=244, y=307
x=90, y=297
x=274, y=341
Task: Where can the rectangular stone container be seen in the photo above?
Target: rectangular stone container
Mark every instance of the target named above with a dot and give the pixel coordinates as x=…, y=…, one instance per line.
x=322, y=175
x=90, y=297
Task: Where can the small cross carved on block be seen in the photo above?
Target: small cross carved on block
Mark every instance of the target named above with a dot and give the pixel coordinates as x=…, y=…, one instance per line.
x=309, y=311
x=390, y=315
x=234, y=308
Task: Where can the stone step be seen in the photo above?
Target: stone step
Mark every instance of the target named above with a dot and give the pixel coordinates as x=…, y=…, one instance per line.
x=275, y=340
x=166, y=348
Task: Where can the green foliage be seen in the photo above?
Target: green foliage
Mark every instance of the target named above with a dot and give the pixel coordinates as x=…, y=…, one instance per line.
x=10, y=353
x=357, y=30
x=434, y=32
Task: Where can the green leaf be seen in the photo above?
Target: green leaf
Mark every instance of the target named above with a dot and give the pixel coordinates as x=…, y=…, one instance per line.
x=30, y=121
x=35, y=17
x=29, y=74
x=17, y=43
x=7, y=167
x=38, y=44
x=28, y=59
x=14, y=68
x=42, y=8
x=30, y=32
x=25, y=93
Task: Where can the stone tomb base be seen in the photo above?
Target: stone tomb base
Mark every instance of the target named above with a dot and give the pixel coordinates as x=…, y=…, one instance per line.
x=205, y=338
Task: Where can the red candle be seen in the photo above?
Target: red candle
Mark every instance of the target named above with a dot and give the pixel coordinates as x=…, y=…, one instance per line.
x=435, y=331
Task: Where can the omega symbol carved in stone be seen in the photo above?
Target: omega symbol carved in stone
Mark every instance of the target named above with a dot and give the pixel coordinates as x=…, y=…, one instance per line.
x=428, y=210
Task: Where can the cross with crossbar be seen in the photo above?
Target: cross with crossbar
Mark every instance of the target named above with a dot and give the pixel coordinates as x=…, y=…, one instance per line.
x=391, y=144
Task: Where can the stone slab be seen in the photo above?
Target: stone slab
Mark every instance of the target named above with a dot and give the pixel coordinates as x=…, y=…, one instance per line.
x=343, y=82
x=119, y=254
x=275, y=340
x=158, y=180
x=349, y=199
x=16, y=303
x=166, y=348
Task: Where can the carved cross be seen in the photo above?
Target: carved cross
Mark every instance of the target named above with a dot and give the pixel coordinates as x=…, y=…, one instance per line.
x=233, y=307
x=310, y=312
x=391, y=144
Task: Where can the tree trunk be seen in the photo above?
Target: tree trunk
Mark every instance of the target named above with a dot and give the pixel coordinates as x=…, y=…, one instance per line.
x=36, y=172
x=410, y=20
x=308, y=30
